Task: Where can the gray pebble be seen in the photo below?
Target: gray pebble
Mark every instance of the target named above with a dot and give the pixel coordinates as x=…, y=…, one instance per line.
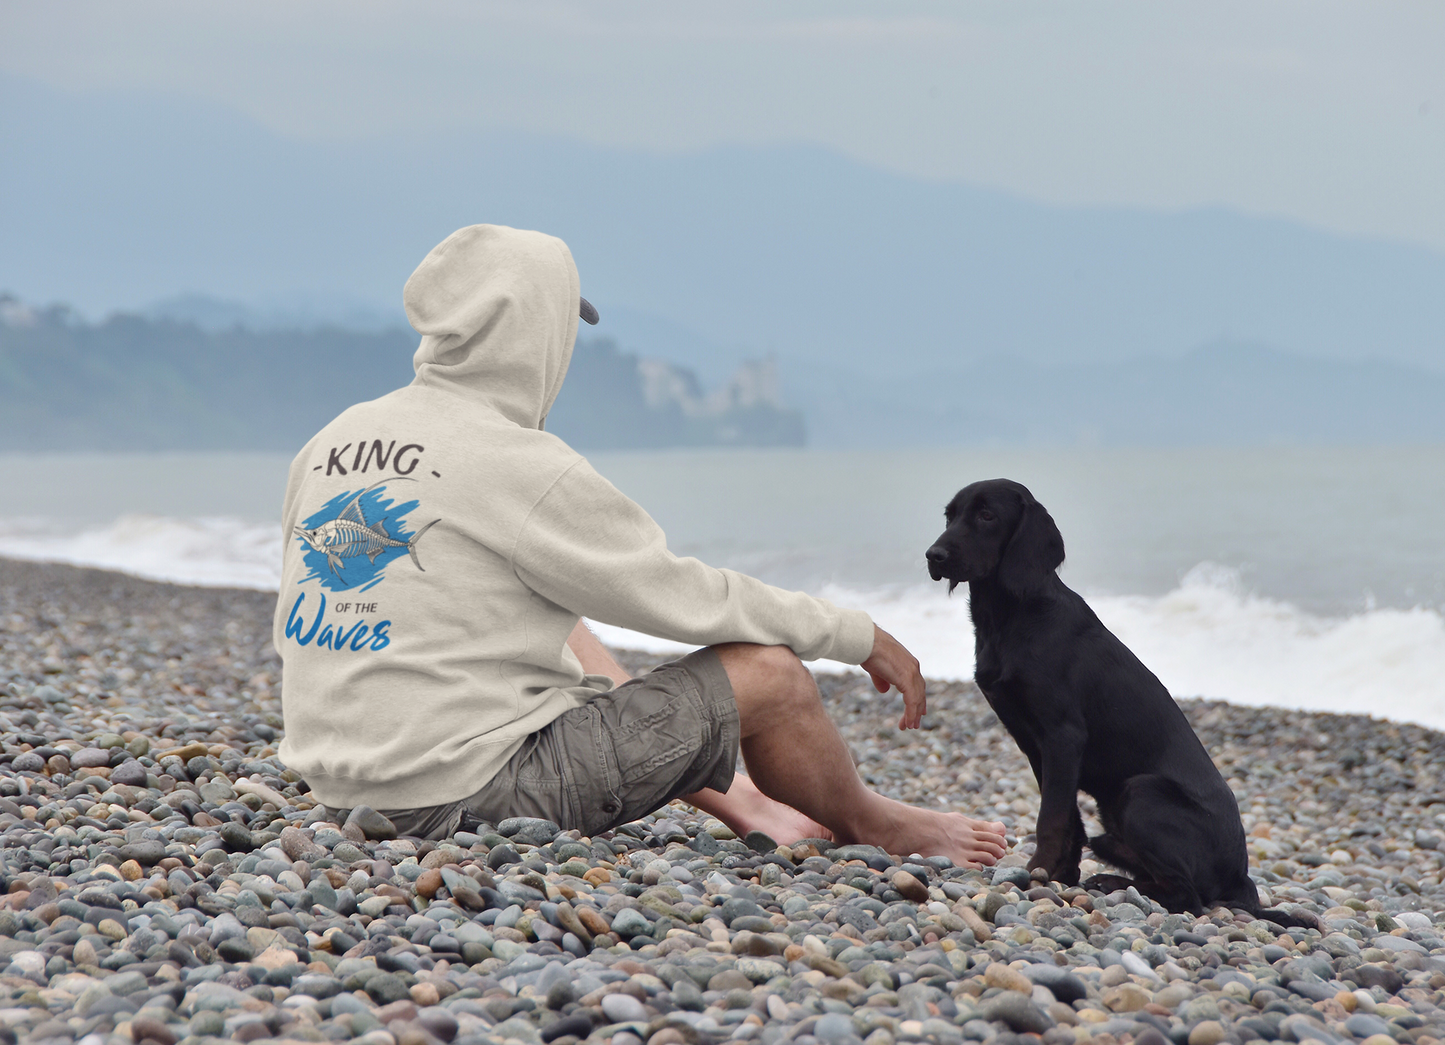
x=628, y=923
x=438, y=1022
x=348, y=1003
x=130, y=772
x=1064, y=985
x=1018, y=876
x=760, y=842
x=322, y=893
x=526, y=830
x=1018, y=1011
x=623, y=1008
x=1397, y=944
x=1362, y=1025
x=371, y=824
x=502, y=855
x=90, y=758
x=833, y=1027
x=739, y=907
x=560, y=994
x=978, y=1030
x=385, y=988
x=236, y=838
x=146, y=852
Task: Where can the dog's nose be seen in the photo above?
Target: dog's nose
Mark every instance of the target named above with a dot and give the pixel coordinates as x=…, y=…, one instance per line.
x=936, y=555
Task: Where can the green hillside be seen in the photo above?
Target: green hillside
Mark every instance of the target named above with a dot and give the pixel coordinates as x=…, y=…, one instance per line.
x=134, y=383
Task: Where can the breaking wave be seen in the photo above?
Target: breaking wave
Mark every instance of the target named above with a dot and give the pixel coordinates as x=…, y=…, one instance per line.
x=1208, y=637
x=209, y=552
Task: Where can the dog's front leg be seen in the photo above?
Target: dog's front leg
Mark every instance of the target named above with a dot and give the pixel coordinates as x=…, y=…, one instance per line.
x=1060, y=829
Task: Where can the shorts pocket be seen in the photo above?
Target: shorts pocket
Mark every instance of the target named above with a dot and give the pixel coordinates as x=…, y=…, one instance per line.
x=599, y=812
x=591, y=783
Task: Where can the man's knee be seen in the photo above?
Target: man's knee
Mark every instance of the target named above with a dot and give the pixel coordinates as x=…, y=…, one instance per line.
x=773, y=674
x=773, y=662
x=781, y=661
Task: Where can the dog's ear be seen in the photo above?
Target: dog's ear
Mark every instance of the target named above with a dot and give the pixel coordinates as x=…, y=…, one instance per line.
x=1034, y=552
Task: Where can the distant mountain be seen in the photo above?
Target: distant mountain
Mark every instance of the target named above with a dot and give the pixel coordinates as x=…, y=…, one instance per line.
x=301, y=313
x=136, y=383
x=131, y=383
x=1221, y=394
x=704, y=259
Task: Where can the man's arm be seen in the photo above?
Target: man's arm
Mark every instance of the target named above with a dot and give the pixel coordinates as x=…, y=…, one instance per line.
x=587, y=547
x=890, y=664
x=596, y=658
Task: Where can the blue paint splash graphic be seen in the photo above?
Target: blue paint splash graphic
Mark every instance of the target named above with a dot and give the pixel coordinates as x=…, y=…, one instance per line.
x=357, y=574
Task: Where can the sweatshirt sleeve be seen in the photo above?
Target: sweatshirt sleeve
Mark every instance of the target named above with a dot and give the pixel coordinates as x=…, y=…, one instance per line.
x=588, y=547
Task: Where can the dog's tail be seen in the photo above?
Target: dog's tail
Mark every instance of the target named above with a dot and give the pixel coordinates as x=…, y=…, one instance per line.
x=1288, y=919
x=1186, y=899
x=1243, y=895
x=1279, y=916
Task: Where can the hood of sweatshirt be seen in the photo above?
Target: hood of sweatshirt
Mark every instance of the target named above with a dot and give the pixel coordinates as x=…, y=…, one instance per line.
x=497, y=311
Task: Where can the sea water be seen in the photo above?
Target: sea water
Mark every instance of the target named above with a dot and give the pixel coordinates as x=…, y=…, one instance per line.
x=1310, y=578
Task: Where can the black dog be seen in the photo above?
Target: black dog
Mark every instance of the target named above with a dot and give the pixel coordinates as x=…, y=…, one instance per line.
x=1090, y=716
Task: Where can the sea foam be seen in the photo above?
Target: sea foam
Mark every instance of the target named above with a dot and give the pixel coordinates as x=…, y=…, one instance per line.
x=1209, y=637
x=208, y=552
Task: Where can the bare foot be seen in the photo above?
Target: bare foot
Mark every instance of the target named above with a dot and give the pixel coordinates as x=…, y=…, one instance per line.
x=965, y=841
x=744, y=808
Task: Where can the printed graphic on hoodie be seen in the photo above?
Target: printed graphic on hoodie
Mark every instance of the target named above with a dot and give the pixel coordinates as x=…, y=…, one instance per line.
x=346, y=552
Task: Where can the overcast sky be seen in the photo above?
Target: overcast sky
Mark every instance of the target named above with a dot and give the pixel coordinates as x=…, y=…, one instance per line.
x=1329, y=113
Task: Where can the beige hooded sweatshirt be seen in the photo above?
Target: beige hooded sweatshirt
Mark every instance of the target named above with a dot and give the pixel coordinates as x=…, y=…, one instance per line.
x=440, y=547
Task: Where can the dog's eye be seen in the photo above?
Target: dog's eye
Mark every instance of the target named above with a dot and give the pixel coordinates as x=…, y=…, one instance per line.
x=984, y=515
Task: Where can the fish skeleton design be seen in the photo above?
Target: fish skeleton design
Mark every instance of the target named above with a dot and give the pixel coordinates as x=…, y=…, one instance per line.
x=349, y=535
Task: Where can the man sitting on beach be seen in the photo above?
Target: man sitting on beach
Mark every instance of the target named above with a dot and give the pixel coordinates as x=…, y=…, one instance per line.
x=441, y=550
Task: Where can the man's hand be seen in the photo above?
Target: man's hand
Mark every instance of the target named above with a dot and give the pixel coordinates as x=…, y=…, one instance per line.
x=891, y=665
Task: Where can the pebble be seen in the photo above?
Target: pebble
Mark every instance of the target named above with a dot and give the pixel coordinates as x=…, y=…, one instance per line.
x=1019, y=1012
x=623, y=1008
x=628, y=923
x=372, y=825
x=167, y=878
x=909, y=887
x=833, y=1027
x=1137, y=966
x=1002, y=976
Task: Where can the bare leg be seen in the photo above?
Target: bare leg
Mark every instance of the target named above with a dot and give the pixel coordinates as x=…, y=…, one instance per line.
x=802, y=770
x=596, y=658
x=796, y=756
x=743, y=808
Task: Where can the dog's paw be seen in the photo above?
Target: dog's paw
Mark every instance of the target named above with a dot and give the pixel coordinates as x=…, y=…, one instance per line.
x=1064, y=874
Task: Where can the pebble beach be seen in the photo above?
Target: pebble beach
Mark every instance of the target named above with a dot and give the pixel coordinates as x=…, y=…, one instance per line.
x=167, y=879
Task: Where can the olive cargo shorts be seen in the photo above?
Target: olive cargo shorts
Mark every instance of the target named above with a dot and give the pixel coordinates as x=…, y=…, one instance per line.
x=618, y=757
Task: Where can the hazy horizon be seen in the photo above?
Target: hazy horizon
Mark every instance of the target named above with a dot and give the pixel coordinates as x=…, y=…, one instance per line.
x=888, y=199
x=736, y=252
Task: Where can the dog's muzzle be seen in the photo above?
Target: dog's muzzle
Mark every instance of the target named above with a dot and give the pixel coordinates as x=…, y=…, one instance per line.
x=937, y=558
